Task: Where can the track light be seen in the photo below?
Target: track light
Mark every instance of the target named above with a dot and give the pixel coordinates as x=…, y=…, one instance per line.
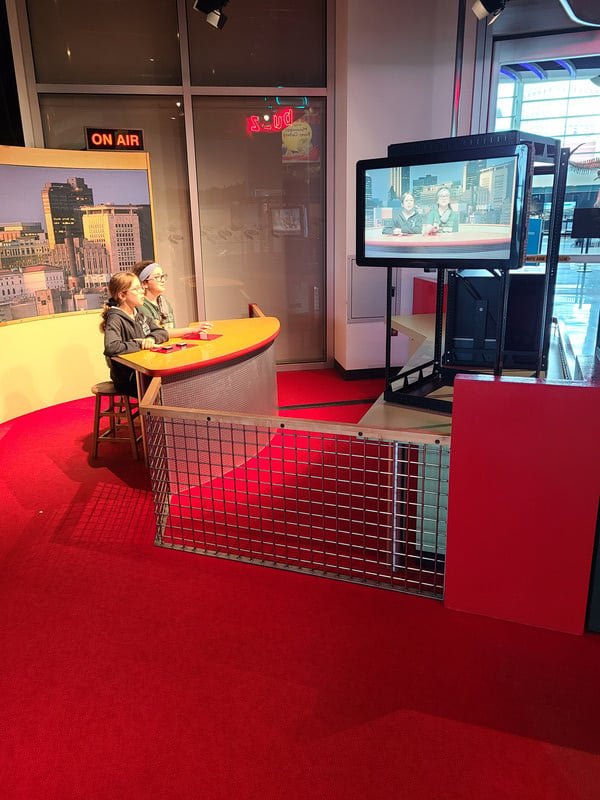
x=216, y=18
x=485, y=8
x=213, y=10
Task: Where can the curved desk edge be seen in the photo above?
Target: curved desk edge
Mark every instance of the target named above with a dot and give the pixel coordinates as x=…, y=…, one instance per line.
x=252, y=334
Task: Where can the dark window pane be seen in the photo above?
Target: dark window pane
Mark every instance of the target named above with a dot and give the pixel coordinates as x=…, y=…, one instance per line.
x=263, y=43
x=109, y=42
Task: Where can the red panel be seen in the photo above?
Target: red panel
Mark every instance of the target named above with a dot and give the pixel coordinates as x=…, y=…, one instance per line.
x=424, y=292
x=523, y=499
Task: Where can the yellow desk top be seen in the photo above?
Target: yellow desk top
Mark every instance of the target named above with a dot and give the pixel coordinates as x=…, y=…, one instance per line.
x=238, y=337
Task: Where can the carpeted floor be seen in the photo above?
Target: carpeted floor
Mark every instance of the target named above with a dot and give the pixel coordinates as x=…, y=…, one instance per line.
x=130, y=671
x=324, y=395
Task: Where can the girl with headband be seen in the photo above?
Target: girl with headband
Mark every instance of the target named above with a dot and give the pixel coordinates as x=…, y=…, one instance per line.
x=155, y=305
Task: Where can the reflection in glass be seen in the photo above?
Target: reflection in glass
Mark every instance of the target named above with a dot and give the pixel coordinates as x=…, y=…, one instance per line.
x=261, y=176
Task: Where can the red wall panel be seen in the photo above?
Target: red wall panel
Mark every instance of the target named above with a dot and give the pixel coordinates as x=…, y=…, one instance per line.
x=424, y=296
x=523, y=499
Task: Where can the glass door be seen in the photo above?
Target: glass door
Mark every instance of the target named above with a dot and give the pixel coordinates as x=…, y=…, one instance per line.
x=261, y=195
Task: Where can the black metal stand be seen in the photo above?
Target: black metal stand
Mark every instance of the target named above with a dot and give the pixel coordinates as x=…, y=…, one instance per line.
x=414, y=387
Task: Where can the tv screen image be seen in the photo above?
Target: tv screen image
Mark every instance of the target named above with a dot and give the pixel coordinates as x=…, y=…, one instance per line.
x=445, y=209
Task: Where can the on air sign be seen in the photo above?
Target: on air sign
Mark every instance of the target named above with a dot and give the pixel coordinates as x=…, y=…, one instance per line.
x=111, y=139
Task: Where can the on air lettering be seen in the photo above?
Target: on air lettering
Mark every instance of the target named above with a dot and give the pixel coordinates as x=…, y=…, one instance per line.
x=114, y=139
x=104, y=139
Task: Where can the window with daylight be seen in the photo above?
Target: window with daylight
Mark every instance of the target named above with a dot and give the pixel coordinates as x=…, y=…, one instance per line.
x=560, y=98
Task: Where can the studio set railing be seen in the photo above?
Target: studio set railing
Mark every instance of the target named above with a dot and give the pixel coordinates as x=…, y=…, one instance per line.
x=336, y=500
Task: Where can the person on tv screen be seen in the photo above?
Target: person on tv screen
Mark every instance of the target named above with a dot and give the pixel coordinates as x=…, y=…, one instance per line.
x=408, y=220
x=442, y=218
x=155, y=306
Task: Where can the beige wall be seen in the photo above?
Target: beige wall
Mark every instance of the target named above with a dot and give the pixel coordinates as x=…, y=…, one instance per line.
x=49, y=360
x=394, y=83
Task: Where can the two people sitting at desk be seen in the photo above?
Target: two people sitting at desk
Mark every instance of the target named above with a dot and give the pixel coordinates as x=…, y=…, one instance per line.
x=442, y=218
x=137, y=317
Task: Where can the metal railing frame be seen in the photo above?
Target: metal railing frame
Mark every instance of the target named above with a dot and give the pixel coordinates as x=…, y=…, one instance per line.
x=402, y=537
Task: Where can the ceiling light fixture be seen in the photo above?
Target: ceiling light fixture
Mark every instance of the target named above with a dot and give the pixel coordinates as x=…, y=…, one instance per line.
x=568, y=65
x=488, y=8
x=213, y=10
x=535, y=68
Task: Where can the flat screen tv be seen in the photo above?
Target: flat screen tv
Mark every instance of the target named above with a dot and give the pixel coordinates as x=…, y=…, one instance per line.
x=586, y=223
x=450, y=209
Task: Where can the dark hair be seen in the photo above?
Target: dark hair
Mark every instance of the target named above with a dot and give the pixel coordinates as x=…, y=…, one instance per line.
x=140, y=265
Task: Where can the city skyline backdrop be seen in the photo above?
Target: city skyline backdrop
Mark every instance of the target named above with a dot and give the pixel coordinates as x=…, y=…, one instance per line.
x=441, y=173
x=21, y=189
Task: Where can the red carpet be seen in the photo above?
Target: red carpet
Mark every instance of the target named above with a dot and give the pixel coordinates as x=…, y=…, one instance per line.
x=351, y=414
x=130, y=671
x=332, y=398
x=303, y=500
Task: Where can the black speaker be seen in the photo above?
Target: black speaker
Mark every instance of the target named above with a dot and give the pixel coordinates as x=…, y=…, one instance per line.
x=472, y=322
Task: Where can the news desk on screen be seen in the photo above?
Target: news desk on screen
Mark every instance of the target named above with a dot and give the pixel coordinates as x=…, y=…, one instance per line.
x=233, y=370
x=471, y=240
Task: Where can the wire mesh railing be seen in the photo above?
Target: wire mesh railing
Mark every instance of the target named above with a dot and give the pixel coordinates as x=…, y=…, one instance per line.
x=337, y=500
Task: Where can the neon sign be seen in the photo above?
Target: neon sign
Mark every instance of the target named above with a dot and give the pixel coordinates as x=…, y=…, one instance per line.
x=111, y=139
x=270, y=123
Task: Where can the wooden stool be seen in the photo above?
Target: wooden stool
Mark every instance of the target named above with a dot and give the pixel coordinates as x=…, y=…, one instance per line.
x=121, y=411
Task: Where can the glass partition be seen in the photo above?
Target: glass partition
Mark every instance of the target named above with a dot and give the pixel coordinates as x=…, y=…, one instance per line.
x=261, y=184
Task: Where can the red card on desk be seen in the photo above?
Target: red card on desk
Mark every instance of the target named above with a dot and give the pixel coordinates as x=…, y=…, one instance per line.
x=204, y=337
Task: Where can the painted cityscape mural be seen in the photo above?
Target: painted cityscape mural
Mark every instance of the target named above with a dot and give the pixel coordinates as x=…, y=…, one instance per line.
x=64, y=231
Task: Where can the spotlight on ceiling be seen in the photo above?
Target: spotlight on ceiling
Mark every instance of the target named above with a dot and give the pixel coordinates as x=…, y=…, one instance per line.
x=213, y=10
x=488, y=8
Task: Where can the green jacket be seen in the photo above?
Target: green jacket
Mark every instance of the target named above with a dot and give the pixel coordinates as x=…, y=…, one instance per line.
x=152, y=310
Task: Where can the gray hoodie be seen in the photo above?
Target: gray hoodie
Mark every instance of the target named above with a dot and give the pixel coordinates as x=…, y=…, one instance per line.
x=119, y=338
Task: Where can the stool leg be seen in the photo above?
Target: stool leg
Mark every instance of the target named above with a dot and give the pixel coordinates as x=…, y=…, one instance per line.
x=113, y=409
x=134, y=448
x=96, y=427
